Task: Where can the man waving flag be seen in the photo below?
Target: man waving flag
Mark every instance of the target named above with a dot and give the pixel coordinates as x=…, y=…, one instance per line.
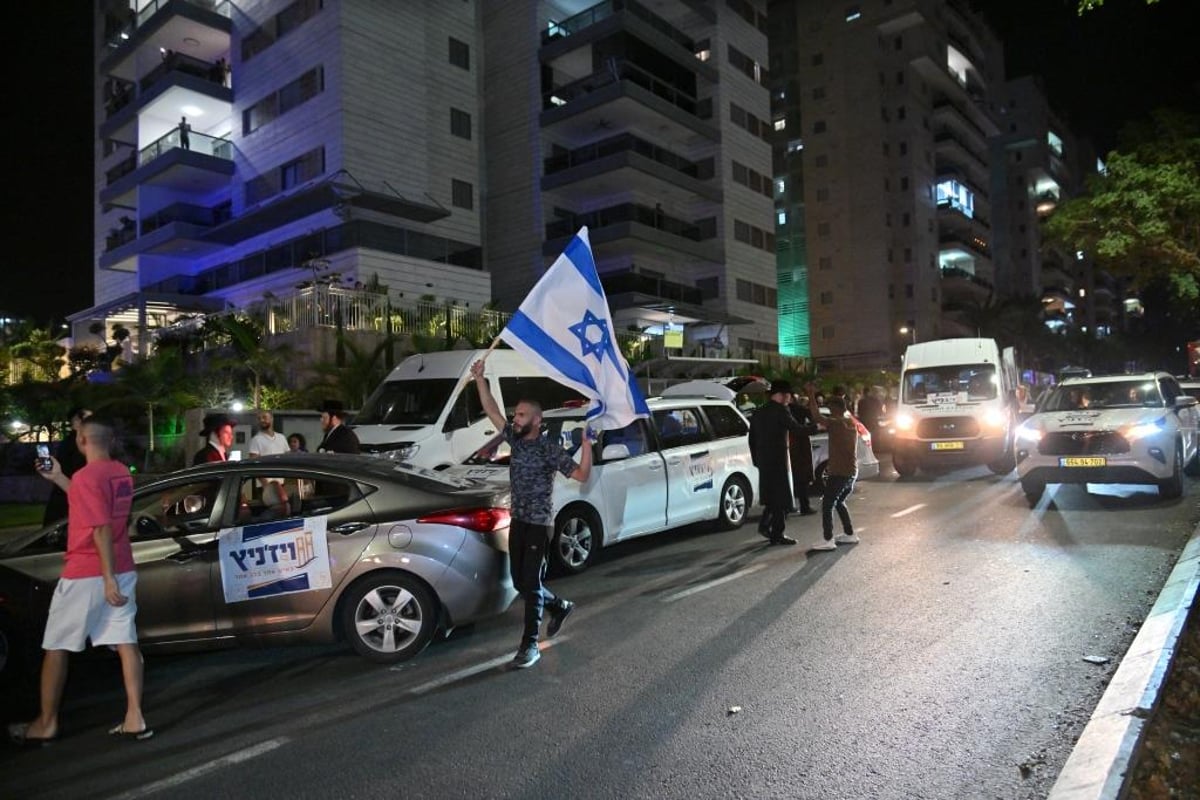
x=564, y=328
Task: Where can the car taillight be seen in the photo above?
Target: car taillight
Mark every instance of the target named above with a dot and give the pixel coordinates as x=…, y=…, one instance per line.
x=481, y=520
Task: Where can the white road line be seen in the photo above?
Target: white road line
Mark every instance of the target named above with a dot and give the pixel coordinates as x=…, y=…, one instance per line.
x=671, y=598
x=909, y=510
x=203, y=769
x=467, y=672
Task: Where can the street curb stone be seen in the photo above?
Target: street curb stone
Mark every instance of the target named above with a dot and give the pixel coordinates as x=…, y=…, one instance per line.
x=1102, y=759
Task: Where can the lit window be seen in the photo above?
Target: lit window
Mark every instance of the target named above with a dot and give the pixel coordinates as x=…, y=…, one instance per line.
x=1079, y=255
x=703, y=55
x=852, y=13
x=1055, y=142
x=780, y=124
x=781, y=218
x=780, y=185
x=795, y=145
x=952, y=194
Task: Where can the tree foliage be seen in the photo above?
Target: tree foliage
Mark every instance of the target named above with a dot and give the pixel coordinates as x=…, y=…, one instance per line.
x=1141, y=218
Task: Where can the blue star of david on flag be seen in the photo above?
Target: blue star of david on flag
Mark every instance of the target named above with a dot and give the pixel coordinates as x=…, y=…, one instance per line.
x=589, y=347
x=564, y=320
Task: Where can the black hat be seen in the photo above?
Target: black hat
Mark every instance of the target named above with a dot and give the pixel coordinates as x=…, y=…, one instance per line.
x=780, y=387
x=212, y=422
x=333, y=408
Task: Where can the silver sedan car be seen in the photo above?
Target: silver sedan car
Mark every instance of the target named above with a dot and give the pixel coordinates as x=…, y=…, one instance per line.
x=410, y=551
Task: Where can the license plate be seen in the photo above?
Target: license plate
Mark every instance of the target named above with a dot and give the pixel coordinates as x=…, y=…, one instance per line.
x=1083, y=461
x=946, y=445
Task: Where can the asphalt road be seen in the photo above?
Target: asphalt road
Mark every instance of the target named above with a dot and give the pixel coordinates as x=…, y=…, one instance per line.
x=942, y=657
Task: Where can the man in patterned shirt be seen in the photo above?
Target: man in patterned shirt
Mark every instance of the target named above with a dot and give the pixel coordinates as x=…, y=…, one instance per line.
x=534, y=460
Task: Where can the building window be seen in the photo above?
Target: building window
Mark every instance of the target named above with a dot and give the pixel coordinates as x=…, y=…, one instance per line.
x=703, y=50
x=899, y=77
x=285, y=99
x=822, y=229
x=741, y=174
x=741, y=231
x=819, y=126
x=853, y=13
x=891, y=291
x=906, y=219
x=818, y=93
x=822, y=195
x=286, y=176
x=781, y=217
x=908, y=290
x=462, y=194
x=460, y=123
x=780, y=124
x=908, y=255
x=904, y=148
x=900, y=113
x=826, y=332
x=278, y=26
x=460, y=54
x=710, y=288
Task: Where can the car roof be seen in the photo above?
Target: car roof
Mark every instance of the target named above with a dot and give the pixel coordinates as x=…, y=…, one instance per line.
x=1136, y=376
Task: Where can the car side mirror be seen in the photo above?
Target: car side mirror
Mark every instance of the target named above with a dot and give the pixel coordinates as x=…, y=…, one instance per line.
x=1185, y=401
x=615, y=452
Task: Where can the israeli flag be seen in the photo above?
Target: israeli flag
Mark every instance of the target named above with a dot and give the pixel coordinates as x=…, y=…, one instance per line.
x=565, y=329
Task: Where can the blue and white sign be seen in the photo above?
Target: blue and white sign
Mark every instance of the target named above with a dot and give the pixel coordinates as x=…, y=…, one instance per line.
x=274, y=558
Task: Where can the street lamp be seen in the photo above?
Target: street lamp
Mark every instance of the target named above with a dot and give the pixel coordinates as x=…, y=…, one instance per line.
x=906, y=330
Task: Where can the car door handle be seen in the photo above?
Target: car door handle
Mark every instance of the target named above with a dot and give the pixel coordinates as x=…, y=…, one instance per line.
x=655, y=465
x=674, y=462
x=347, y=528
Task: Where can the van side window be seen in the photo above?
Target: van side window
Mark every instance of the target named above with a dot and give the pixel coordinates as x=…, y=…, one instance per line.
x=549, y=393
x=467, y=408
x=726, y=423
x=633, y=436
x=678, y=427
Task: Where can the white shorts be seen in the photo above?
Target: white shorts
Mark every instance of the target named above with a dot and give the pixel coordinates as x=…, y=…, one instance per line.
x=79, y=611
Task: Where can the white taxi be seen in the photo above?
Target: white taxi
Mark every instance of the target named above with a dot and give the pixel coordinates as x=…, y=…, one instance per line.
x=689, y=462
x=1111, y=429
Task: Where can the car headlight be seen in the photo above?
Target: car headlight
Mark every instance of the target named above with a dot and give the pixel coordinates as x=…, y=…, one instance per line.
x=994, y=418
x=1028, y=433
x=404, y=452
x=1145, y=429
x=904, y=422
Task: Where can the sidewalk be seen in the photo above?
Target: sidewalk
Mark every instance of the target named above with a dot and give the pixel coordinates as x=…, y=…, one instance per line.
x=1103, y=759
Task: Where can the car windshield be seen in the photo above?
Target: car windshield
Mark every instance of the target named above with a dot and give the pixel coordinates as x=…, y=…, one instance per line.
x=1112, y=394
x=958, y=383
x=409, y=402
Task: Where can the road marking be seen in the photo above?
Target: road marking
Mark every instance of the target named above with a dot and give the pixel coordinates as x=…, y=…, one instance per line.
x=909, y=510
x=467, y=672
x=671, y=598
x=203, y=769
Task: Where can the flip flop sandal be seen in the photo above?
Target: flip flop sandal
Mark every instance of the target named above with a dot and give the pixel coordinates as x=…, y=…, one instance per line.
x=18, y=734
x=131, y=736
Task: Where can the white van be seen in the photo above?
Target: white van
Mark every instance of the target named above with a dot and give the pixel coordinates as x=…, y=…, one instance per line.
x=957, y=407
x=427, y=411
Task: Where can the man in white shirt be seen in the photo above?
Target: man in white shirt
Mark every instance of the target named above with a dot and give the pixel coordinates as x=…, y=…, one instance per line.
x=267, y=442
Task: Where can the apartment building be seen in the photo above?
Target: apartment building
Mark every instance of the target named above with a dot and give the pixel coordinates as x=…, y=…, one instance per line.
x=885, y=106
x=1038, y=163
x=648, y=122
x=260, y=149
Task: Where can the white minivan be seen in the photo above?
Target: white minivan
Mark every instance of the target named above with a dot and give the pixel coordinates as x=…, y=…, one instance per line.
x=427, y=413
x=690, y=462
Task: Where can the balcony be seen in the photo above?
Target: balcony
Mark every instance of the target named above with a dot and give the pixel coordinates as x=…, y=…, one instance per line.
x=200, y=164
x=630, y=229
x=178, y=230
x=947, y=115
x=634, y=283
x=134, y=41
x=610, y=17
x=176, y=83
x=959, y=283
x=625, y=92
x=626, y=162
x=952, y=148
x=948, y=240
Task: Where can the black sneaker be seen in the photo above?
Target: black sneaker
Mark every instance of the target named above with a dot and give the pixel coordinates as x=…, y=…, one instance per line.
x=557, y=617
x=783, y=540
x=526, y=657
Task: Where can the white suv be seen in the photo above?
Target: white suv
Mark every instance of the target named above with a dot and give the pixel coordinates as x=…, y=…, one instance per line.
x=689, y=462
x=1112, y=429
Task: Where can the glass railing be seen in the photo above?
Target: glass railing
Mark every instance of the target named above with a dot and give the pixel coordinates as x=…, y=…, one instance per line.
x=173, y=62
x=970, y=277
x=603, y=10
x=202, y=216
x=625, y=143
x=199, y=142
x=621, y=71
x=632, y=212
x=122, y=169
x=121, y=30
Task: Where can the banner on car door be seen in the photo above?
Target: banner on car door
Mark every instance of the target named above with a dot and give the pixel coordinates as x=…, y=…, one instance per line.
x=700, y=470
x=274, y=558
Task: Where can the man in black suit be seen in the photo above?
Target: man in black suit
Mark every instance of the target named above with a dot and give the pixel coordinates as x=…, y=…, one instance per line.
x=338, y=438
x=769, y=429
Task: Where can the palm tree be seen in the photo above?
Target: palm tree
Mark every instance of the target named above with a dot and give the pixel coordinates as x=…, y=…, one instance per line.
x=41, y=352
x=160, y=382
x=362, y=369
x=252, y=351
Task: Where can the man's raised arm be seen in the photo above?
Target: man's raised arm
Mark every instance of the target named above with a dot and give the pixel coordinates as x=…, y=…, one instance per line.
x=493, y=411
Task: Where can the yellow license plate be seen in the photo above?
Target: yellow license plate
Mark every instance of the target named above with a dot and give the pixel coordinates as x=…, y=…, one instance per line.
x=1083, y=461
x=947, y=445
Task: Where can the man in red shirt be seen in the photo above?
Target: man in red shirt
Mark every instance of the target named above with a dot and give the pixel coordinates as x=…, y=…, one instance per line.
x=96, y=595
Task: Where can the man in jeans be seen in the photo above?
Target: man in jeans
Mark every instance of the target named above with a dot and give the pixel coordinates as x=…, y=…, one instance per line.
x=842, y=468
x=96, y=596
x=534, y=460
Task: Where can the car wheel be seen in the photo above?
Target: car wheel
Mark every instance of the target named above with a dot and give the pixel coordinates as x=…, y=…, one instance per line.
x=1033, y=491
x=576, y=539
x=389, y=617
x=1006, y=463
x=1172, y=487
x=820, y=472
x=735, y=500
x=904, y=468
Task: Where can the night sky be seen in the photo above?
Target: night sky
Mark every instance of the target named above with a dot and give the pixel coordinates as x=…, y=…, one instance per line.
x=1101, y=70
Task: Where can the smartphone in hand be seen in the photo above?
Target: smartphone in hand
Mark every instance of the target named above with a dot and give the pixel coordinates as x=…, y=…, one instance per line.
x=44, y=464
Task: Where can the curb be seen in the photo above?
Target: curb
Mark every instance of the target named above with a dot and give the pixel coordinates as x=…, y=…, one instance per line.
x=1101, y=760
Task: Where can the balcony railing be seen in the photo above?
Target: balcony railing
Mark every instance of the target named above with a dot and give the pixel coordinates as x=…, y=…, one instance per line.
x=621, y=70
x=972, y=242
x=189, y=213
x=123, y=168
x=632, y=212
x=213, y=72
x=624, y=143
x=199, y=142
x=621, y=282
x=944, y=135
x=122, y=31
x=117, y=95
x=970, y=277
x=603, y=10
